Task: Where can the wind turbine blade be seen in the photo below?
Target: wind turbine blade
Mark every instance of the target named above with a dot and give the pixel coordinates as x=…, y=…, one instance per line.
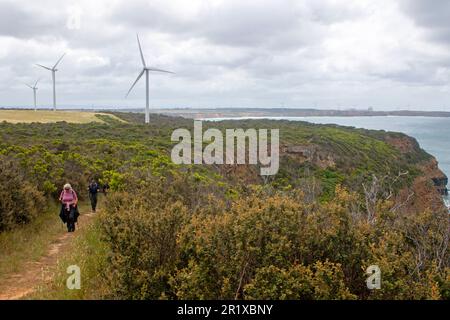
x=59, y=61
x=137, y=79
x=140, y=50
x=160, y=70
x=29, y=86
x=40, y=65
x=37, y=82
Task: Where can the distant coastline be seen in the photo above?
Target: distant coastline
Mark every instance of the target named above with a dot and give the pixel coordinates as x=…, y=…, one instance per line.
x=202, y=113
x=285, y=112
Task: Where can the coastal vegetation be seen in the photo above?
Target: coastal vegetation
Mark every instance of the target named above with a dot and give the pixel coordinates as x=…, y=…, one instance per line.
x=343, y=199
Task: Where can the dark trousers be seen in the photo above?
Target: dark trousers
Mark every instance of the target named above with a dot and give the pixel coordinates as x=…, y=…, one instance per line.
x=69, y=217
x=93, y=198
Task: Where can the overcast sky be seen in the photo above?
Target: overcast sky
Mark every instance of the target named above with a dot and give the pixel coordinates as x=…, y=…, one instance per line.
x=384, y=54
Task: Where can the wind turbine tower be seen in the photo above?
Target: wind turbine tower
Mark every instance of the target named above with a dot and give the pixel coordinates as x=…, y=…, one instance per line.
x=53, y=70
x=145, y=70
x=34, y=88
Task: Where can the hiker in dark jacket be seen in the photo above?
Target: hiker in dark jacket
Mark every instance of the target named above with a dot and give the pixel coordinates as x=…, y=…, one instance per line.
x=93, y=191
x=69, y=211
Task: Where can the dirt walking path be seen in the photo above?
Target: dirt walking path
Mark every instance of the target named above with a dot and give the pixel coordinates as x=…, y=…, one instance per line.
x=38, y=273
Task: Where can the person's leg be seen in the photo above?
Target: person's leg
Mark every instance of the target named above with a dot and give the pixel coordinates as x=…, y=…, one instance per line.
x=72, y=218
x=69, y=225
x=94, y=199
x=91, y=198
x=66, y=215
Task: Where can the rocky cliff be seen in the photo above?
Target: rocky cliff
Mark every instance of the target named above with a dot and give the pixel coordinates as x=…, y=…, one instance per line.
x=323, y=156
x=431, y=174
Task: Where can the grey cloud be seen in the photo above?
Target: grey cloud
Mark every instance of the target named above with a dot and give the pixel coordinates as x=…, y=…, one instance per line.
x=225, y=53
x=432, y=15
x=275, y=24
x=20, y=21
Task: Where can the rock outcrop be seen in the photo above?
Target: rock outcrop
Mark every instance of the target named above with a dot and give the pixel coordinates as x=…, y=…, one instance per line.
x=429, y=188
x=430, y=168
x=441, y=185
x=440, y=180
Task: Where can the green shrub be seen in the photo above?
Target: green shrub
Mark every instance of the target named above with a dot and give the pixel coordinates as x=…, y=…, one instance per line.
x=20, y=200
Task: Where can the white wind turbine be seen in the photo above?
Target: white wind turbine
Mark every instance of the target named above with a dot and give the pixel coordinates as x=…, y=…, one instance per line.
x=53, y=70
x=34, y=88
x=146, y=70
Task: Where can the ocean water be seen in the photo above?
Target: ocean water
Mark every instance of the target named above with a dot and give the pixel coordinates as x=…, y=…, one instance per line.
x=432, y=133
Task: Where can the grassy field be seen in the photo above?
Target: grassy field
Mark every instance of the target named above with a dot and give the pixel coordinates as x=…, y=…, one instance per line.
x=45, y=116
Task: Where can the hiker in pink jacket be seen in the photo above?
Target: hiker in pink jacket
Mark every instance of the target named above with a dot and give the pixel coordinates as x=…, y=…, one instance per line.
x=69, y=211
